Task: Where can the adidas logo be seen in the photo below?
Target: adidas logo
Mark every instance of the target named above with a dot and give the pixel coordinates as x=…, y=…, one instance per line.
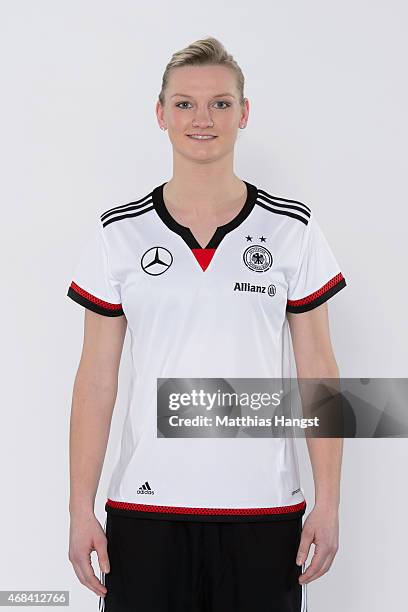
x=145, y=489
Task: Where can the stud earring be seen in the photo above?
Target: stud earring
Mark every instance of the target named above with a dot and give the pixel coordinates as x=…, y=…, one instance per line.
x=162, y=127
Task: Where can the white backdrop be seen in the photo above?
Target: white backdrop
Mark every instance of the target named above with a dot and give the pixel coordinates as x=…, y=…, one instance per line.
x=327, y=87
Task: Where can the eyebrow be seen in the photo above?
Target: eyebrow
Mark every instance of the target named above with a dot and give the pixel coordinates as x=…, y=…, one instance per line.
x=216, y=96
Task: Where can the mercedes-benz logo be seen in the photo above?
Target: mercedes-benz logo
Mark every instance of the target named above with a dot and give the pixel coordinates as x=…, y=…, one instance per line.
x=156, y=260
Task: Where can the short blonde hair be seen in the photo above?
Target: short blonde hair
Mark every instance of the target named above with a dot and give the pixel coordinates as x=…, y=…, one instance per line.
x=207, y=51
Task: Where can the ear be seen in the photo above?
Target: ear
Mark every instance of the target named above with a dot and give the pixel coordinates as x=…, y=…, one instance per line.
x=160, y=114
x=245, y=112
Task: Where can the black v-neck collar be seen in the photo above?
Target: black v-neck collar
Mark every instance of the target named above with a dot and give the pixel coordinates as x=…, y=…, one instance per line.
x=220, y=232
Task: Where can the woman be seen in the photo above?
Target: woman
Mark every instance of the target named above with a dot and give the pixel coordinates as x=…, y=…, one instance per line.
x=206, y=270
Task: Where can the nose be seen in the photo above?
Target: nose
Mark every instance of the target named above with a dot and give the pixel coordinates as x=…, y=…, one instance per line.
x=203, y=117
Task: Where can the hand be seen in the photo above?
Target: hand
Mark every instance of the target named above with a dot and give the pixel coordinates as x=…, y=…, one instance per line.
x=322, y=528
x=87, y=535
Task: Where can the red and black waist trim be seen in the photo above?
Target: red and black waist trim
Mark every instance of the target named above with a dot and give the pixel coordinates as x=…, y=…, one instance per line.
x=205, y=514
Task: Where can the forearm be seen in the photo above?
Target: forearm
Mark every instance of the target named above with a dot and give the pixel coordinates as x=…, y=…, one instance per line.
x=91, y=414
x=326, y=456
x=325, y=453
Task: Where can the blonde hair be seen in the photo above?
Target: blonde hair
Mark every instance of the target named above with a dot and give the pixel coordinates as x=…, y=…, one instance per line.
x=207, y=51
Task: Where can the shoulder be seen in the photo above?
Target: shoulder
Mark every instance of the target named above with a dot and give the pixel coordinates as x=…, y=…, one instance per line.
x=137, y=208
x=295, y=211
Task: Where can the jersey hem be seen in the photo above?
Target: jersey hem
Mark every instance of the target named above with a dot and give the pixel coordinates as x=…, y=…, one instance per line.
x=205, y=514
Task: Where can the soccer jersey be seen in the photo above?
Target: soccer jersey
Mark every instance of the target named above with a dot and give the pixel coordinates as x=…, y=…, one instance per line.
x=219, y=313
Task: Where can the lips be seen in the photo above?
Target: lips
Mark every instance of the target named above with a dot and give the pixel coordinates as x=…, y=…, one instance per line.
x=201, y=136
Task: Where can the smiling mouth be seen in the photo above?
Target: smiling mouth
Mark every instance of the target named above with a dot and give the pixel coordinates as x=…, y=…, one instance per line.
x=201, y=136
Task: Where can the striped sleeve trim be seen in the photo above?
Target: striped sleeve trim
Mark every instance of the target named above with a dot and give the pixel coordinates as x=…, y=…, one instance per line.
x=318, y=297
x=83, y=297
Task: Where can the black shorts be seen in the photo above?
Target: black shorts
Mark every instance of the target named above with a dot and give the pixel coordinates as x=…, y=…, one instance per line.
x=180, y=566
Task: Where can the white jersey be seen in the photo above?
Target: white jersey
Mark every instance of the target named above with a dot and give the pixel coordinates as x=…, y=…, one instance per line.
x=215, y=312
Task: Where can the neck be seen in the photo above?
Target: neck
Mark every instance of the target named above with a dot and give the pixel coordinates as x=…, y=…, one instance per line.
x=209, y=185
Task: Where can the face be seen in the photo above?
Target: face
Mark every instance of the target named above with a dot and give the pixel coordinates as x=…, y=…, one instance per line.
x=202, y=100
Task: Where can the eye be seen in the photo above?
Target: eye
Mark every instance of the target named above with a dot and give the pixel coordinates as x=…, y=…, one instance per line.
x=178, y=104
x=223, y=102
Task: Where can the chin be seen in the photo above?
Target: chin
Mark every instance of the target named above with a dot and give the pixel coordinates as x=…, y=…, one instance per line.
x=205, y=158
x=201, y=155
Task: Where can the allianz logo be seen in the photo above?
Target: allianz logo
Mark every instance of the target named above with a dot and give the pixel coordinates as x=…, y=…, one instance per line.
x=270, y=289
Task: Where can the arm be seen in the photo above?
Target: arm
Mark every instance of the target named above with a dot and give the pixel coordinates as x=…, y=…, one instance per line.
x=315, y=359
x=94, y=395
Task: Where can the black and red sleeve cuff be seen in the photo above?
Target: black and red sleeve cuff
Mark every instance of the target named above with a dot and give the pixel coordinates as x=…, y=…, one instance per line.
x=79, y=295
x=318, y=297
